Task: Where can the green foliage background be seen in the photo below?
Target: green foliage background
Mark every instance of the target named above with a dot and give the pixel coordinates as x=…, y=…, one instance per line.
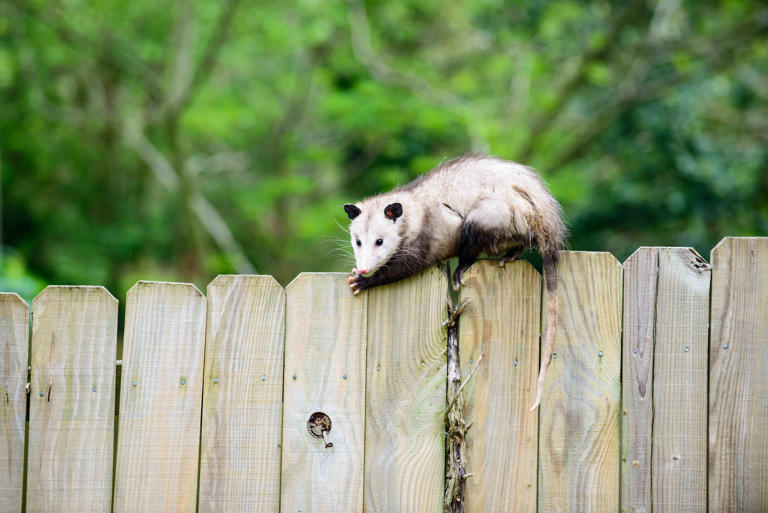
x=180, y=140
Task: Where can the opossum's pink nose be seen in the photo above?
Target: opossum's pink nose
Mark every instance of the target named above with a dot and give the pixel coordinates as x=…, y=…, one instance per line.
x=362, y=271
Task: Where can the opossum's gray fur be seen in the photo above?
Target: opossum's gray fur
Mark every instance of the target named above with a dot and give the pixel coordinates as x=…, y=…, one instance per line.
x=475, y=204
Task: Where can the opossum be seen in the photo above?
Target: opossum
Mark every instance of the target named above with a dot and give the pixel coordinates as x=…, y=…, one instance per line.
x=473, y=205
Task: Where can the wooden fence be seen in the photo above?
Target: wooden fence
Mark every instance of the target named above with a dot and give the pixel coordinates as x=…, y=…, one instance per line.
x=656, y=400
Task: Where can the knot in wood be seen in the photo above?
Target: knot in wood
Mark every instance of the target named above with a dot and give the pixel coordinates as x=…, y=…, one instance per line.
x=319, y=425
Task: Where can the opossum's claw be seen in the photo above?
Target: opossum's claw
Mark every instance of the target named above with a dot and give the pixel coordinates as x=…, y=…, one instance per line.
x=510, y=256
x=458, y=280
x=504, y=260
x=357, y=282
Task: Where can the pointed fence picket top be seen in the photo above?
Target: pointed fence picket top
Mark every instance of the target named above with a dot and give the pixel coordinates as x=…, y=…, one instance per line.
x=243, y=393
x=160, y=398
x=324, y=395
x=14, y=335
x=579, y=416
x=666, y=314
x=738, y=388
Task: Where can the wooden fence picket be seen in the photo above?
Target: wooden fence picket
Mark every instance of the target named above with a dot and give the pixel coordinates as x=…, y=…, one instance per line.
x=14, y=341
x=405, y=395
x=325, y=338
x=666, y=316
x=243, y=394
x=738, y=388
x=72, y=400
x=160, y=399
x=502, y=325
x=579, y=417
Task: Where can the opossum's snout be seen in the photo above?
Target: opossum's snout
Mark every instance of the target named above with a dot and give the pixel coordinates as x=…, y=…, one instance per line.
x=371, y=254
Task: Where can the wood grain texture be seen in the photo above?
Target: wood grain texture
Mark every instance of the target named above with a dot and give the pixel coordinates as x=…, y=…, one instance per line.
x=579, y=417
x=666, y=320
x=160, y=399
x=738, y=388
x=14, y=342
x=405, y=395
x=680, y=382
x=72, y=400
x=325, y=340
x=501, y=323
x=640, y=285
x=242, y=399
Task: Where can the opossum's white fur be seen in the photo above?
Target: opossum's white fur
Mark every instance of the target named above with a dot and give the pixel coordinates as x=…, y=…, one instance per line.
x=477, y=188
x=473, y=204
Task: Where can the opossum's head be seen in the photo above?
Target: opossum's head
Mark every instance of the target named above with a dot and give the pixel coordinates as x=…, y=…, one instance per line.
x=376, y=235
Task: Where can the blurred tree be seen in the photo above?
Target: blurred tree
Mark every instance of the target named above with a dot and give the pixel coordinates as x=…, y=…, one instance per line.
x=143, y=140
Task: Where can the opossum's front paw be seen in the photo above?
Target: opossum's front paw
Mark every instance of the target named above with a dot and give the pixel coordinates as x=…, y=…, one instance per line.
x=358, y=282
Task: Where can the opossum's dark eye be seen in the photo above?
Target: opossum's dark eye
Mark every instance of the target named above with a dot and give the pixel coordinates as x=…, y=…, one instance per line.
x=379, y=242
x=359, y=243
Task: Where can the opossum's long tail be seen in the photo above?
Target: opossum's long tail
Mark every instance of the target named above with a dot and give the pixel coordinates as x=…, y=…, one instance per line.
x=550, y=260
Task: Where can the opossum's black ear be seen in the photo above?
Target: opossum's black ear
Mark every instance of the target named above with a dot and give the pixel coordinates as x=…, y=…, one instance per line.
x=393, y=211
x=351, y=210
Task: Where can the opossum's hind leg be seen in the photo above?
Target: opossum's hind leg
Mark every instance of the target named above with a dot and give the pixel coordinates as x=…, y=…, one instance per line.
x=467, y=256
x=483, y=231
x=511, y=255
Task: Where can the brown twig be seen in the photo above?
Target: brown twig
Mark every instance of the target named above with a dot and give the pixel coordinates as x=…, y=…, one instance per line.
x=461, y=388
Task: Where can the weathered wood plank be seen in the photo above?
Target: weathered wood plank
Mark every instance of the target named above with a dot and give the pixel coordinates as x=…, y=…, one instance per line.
x=405, y=395
x=579, y=418
x=666, y=318
x=738, y=388
x=640, y=285
x=160, y=398
x=72, y=400
x=325, y=340
x=14, y=343
x=502, y=324
x=242, y=399
x=680, y=382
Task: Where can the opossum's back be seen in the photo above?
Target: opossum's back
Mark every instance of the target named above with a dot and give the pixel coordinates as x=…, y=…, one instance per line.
x=518, y=185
